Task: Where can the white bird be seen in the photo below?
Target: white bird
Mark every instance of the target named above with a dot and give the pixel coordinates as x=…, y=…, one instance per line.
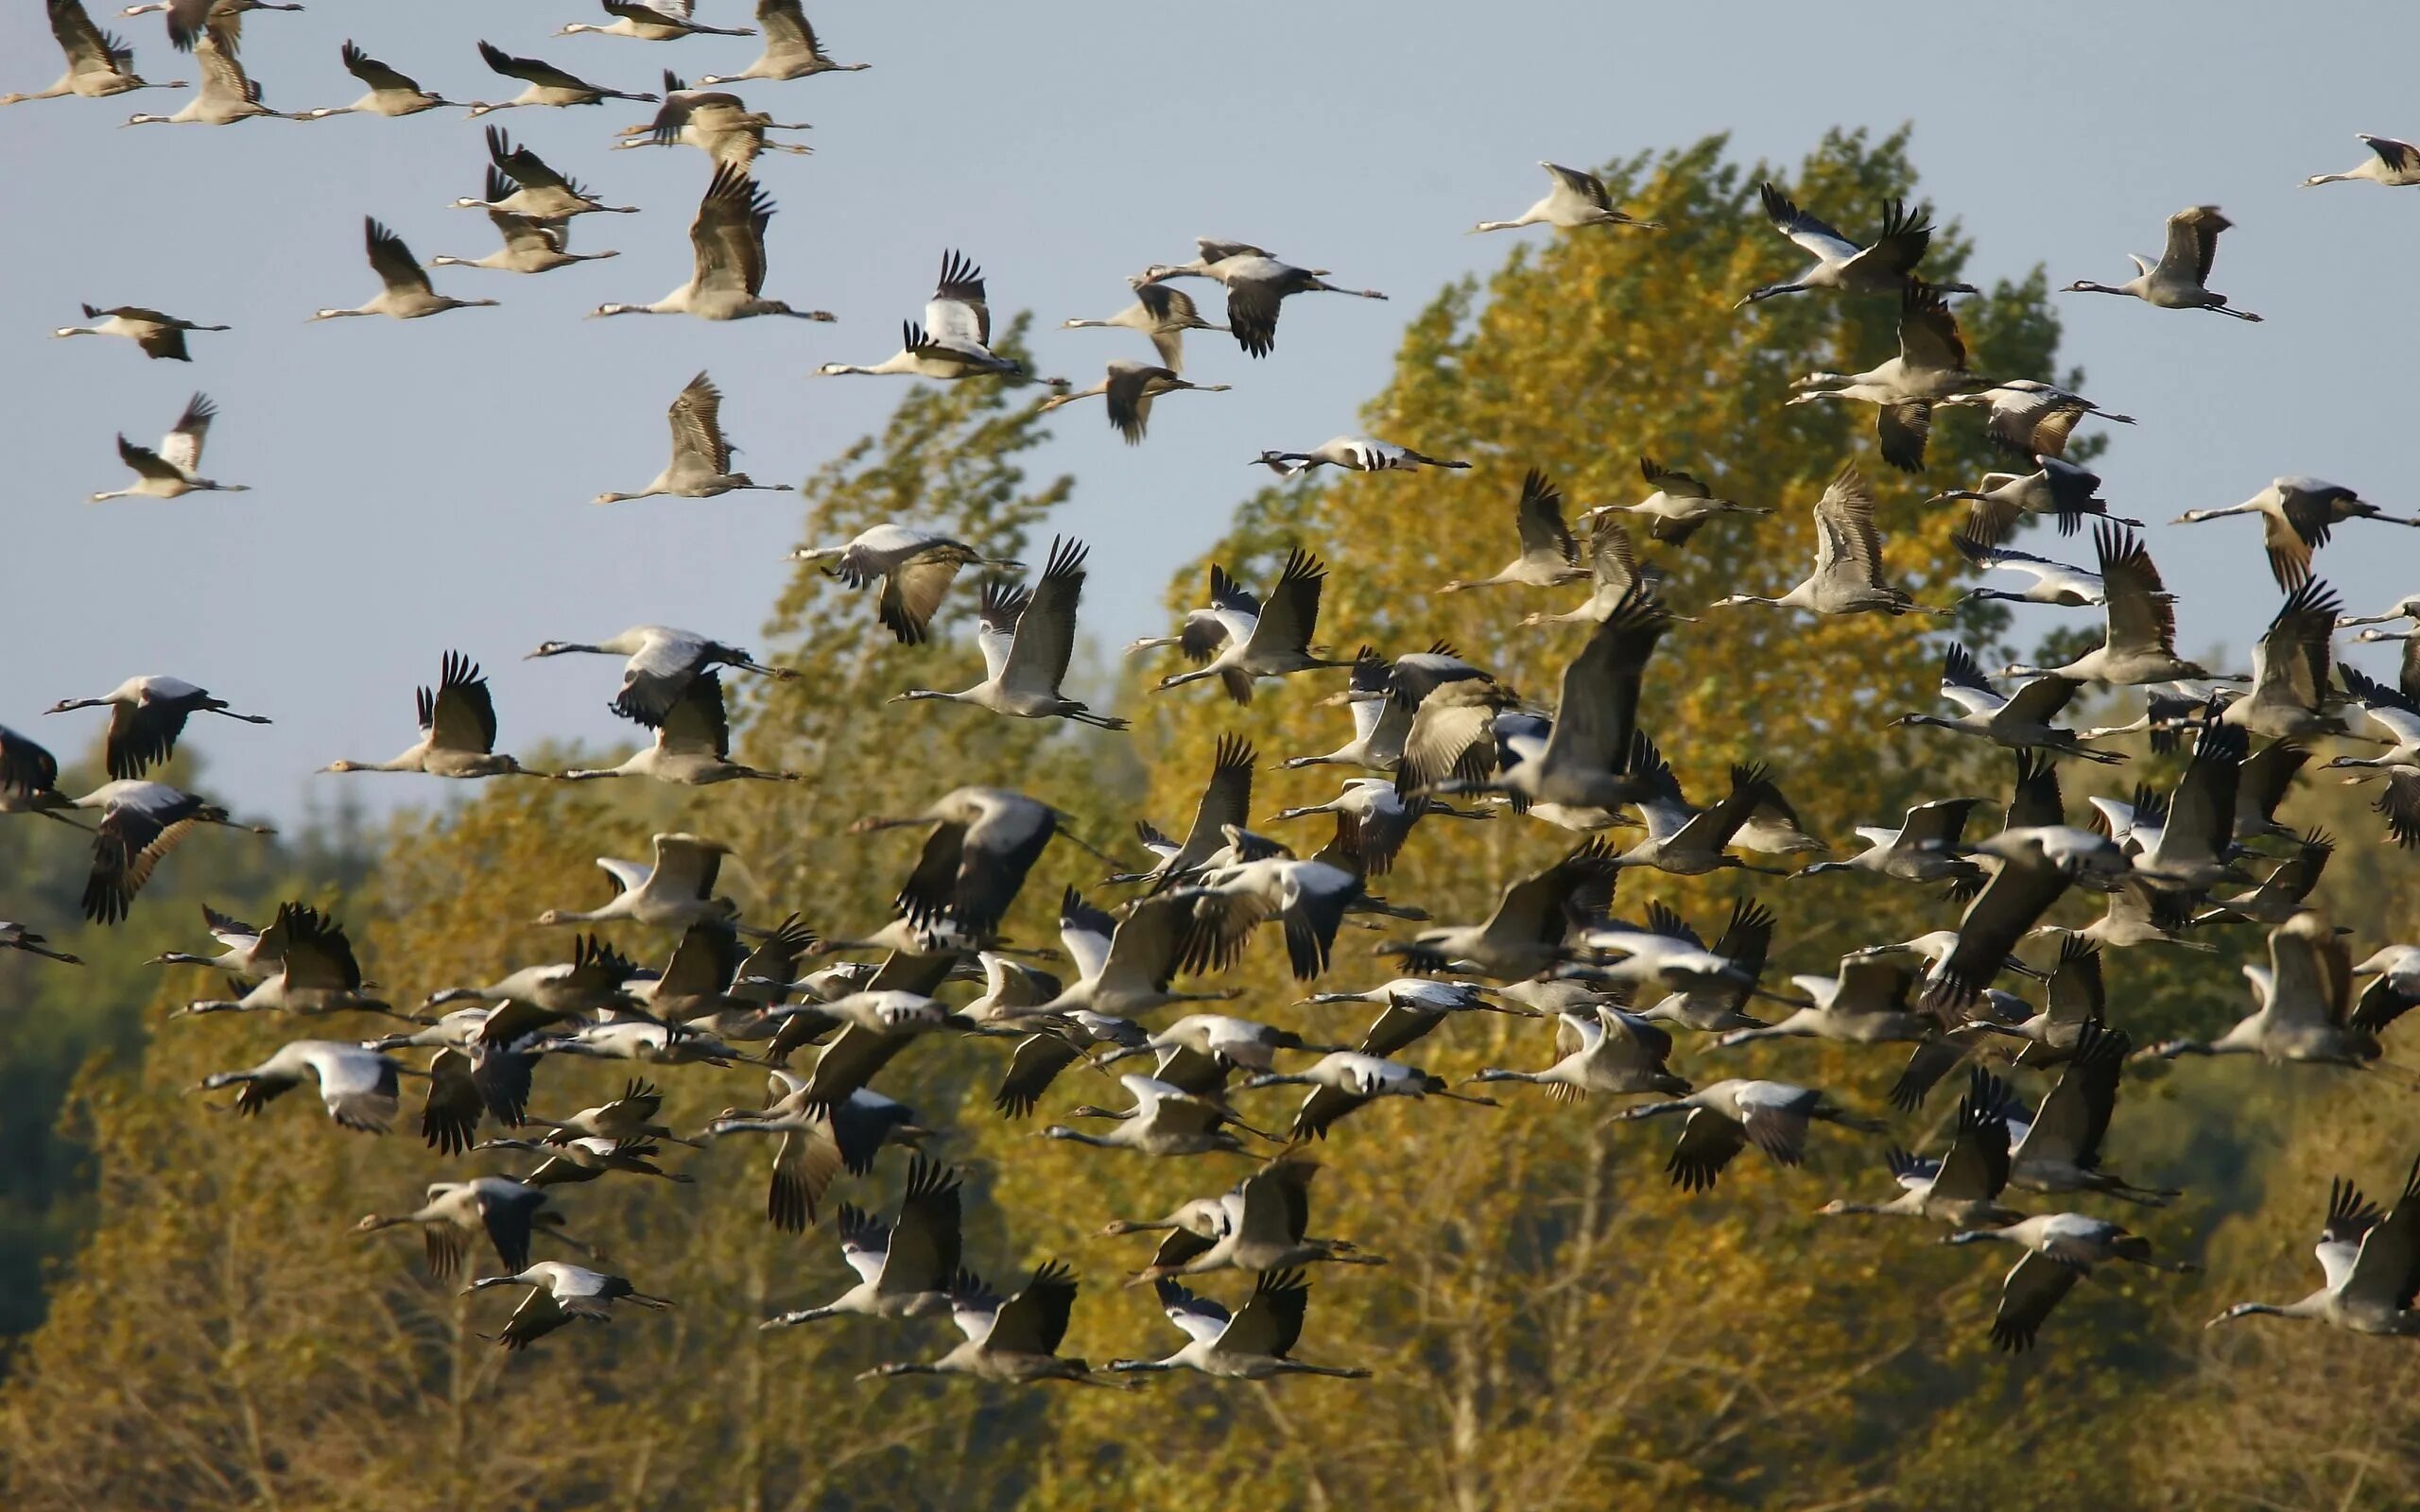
x=1256, y=284
x=1161, y=313
x=1353, y=454
x=317, y=971
x=674, y=893
x=1344, y=1080
x=2297, y=514
x=1129, y=387
x=2017, y=721
x=2180, y=280
x=1027, y=636
x=1272, y=641
x=2054, y=582
x=701, y=465
x=2030, y=417
x=227, y=94
x=2371, y=1264
x=792, y=48
x=1847, y=578
x=547, y=84
x=98, y=65
x=457, y=729
x=146, y=714
x=651, y=21
x=1728, y=1116
x=1932, y=366
x=360, y=1087
x=560, y=1293
x=1255, y=1344
x=1578, y=199
x=2058, y=489
x=1887, y=267
x=2395, y=164
x=2138, y=645
x=406, y=293
x=169, y=473
x=158, y=335
x=727, y=251
x=916, y=568
x=391, y=94
x=955, y=341
x=662, y=661
x=2059, y=1250
x=2393, y=713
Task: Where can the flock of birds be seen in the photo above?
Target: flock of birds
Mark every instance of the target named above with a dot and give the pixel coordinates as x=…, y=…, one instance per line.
x=1434, y=736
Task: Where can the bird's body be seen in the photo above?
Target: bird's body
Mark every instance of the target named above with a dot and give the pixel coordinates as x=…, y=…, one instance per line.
x=1886, y=266
x=953, y=342
x=1027, y=637
x=1578, y=199
x=1930, y=367
x=457, y=730
x=1352, y=453
x=1847, y=578
x=98, y=65
x=1129, y=387
x=546, y=84
x=701, y=465
x=392, y=92
x=227, y=94
x=169, y=473
x=158, y=335
x=1256, y=286
x=1160, y=312
x=792, y=48
x=727, y=251
x=405, y=292
x=2179, y=281
x=915, y=567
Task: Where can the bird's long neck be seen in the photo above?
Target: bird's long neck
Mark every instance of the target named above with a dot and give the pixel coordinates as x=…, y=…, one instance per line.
x=2086, y=286
x=1495, y=1073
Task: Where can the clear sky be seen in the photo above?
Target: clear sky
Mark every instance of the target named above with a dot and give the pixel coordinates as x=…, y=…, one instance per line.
x=422, y=485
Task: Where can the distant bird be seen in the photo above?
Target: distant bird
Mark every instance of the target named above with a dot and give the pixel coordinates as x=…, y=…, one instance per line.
x=406, y=293
x=2059, y=1250
x=1352, y=453
x=98, y=65
x=190, y=20
x=227, y=94
x=915, y=567
x=1932, y=366
x=2395, y=164
x=169, y=473
x=1161, y=313
x=1276, y=642
x=457, y=729
x=1613, y=570
x=542, y=193
x=1887, y=267
x=146, y=714
x=1525, y=936
x=1962, y=1188
x=701, y=465
x=2017, y=721
x=560, y=1293
x=1729, y=1116
x=141, y=823
x=316, y=971
x=1550, y=553
x=2180, y=280
x=1578, y=199
x=360, y=1088
x=1589, y=757
x=675, y=892
x=2139, y=644
x=982, y=843
x=791, y=49
x=2371, y=1264
x=1129, y=388
x=2037, y=863
x=2306, y=1010
x=727, y=251
x=2296, y=516
x=1256, y=284
x=2054, y=582
x=1923, y=848
x=1226, y=801
x=15, y=937
x=391, y=94
x=903, y=1270
x=530, y=245
x=718, y=125
x=1679, y=505
x=1165, y=1121
x=2292, y=693
x=1027, y=636
x=1253, y=1344
x=1847, y=578
x=547, y=84
x=2030, y=417
x=2064, y=492
x=819, y=1141
x=2059, y=1149
x=1608, y=1050
x=158, y=335
x=1013, y=1339
x=1864, y=1003
x=954, y=342
x=692, y=747
x=662, y=661
x=651, y=21
x=1344, y=1081
x=456, y=1213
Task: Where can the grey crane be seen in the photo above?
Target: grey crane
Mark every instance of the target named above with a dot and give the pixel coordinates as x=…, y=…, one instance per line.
x=2030, y=417
x=591, y=982
x=1864, y=1003
x=1717, y=1005
x=2017, y=721
x=953, y=342
x=1256, y=286
x=1683, y=839
x=586, y=1158
x=2392, y=710
x=547, y=84
x=1932, y=366
x=1124, y=963
x=393, y=92
x=717, y=124
x=1166, y=1120
x=1410, y=1007
x=189, y=21
x=1847, y=578
x=701, y=465
x=227, y=95
x=1525, y=936
x=360, y=1088
x=1160, y=312
x=530, y=245
x=2292, y=693
x=456, y=1214
x=819, y=1141
x=1344, y=1081
x=2370, y=1263
x=146, y=714
x=1129, y=387
x=2059, y=1149
x=1244, y=1042
x=982, y=843
x=915, y=567
x=1353, y=454
x=692, y=747
x=792, y=48
x=405, y=292
x=1027, y=636
x=1013, y=1339
x=651, y=20
x=98, y=65
x=16, y=936
x=2053, y=582
x=1887, y=267
x=141, y=823
x=1923, y=848
x=1680, y=507
x=1226, y=799
x=1962, y=1188
x=661, y=663
x=903, y=1270
x=2037, y=863
x=1607, y=1050
x=1578, y=199
x=2305, y=1012
x=2138, y=645
x=2278, y=896
x=457, y=729
x=2180, y=281
x=1613, y=570
x=2394, y=163
x=727, y=258
x=158, y=335
x=1253, y=1344
x=2297, y=514
x=169, y=473
x=541, y=193
x=2059, y=1250
x=1260, y=1226
x=676, y=891
x=1729, y=1116
x=560, y=1293
x=2058, y=489
x=1277, y=642
x=316, y=972
x=1550, y=553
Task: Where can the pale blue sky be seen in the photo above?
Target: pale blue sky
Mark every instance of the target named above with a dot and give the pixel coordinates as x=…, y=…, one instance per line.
x=421, y=486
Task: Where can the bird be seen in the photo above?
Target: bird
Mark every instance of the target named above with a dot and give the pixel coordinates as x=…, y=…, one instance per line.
x=1129, y=387
x=651, y=21
x=561, y=1293
x=1932, y=366
x=2390, y=711
x=169, y=473
x=1578, y=199
x=2370, y=1262
x=2030, y=417
x=2291, y=693
x=190, y=20
x=1728, y=1116
x=1607, y=1050
x=141, y=823
x=547, y=84
x=2059, y=1149
x=456, y=1214
x=915, y=567
x=983, y=842
x=1683, y=839
x=1864, y=1003
x=1161, y=313
x=819, y=1141
x=457, y=729
x=1255, y=1344
x=1962, y=1188
x=692, y=747
x=146, y=714
x=2395, y=164
x=359, y=1087
x=2053, y=582
x=1525, y=936
x=16, y=936
x=530, y=245
x=2180, y=280
x=2055, y=487
x=727, y=250
x=1847, y=578
x=2059, y=1248
x=405, y=292
x=2138, y=645
x=1550, y=553
x=1353, y=454
x=316, y=972
x=1226, y=801
x=227, y=94
x=955, y=340
x=1923, y=848
x=98, y=65
x=701, y=465
x=2306, y=1013
x=2037, y=863
x=792, y=48
x=1887, y=267
x=392, y=92
x=159, y=336
x=2296, y=516
x=1165, y=1121
x=719, y=124
x=676, y=891
x=661, y=661
x=1680, y=505
x=1027, y=635
x=1013, y=1339
x=2017, y=721
x=1277, y=642
x=1343, y=1081
x=541, y=193
x=1256, y=286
